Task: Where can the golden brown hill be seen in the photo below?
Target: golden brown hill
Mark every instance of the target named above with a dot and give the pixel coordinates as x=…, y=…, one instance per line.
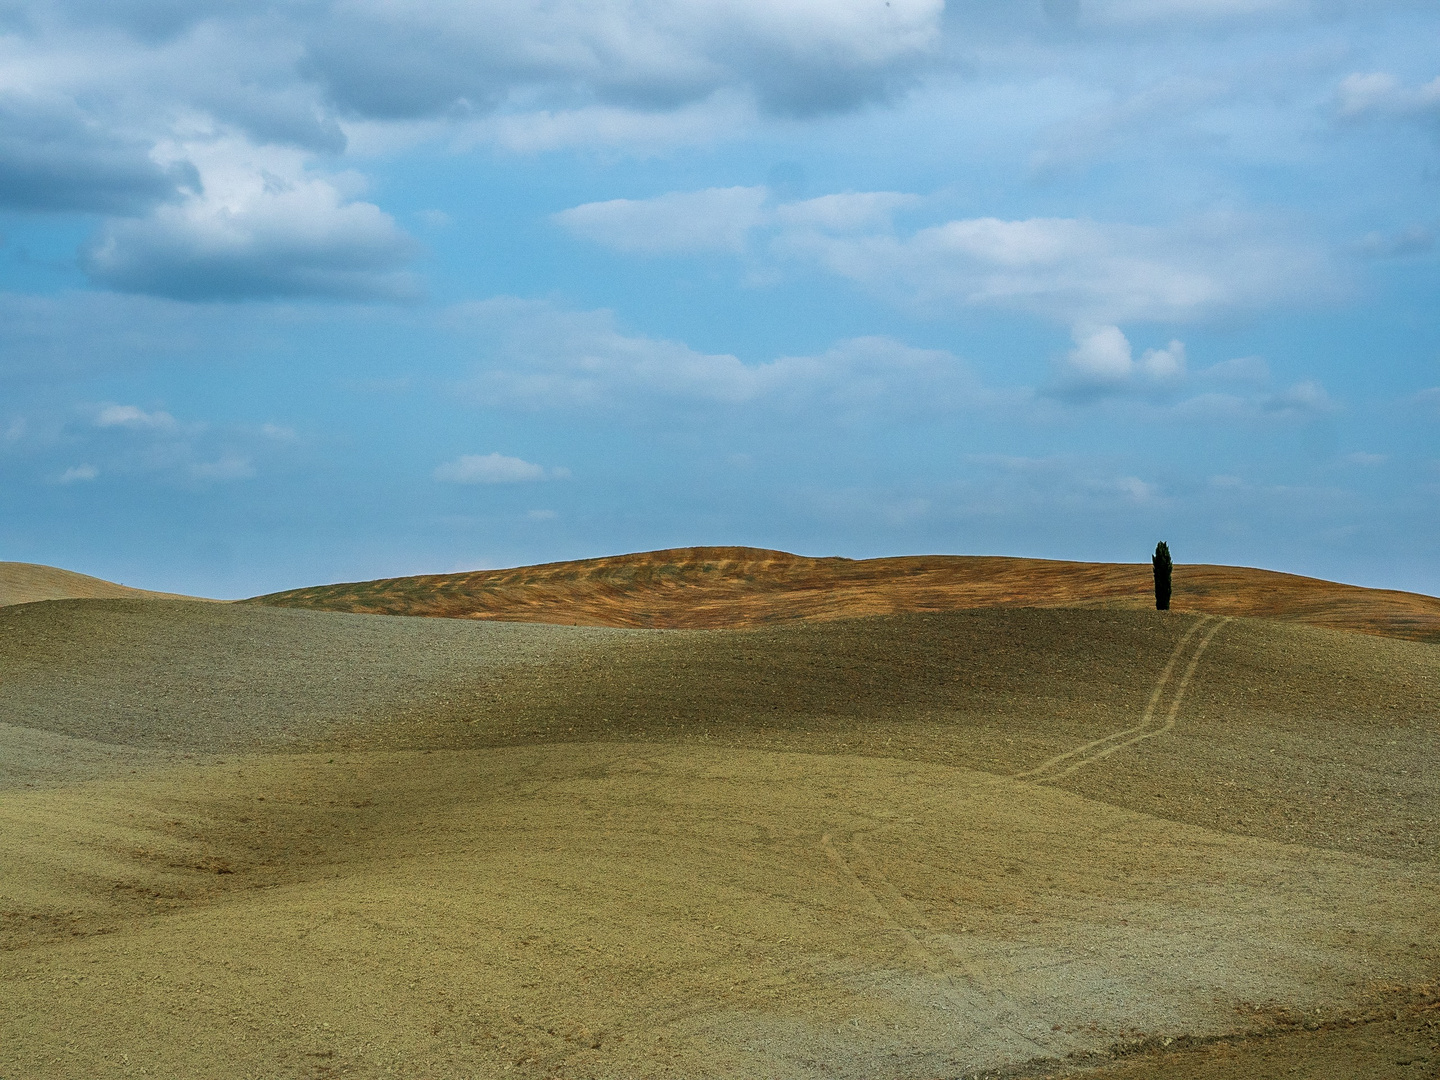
x=735, y=587
x=25, y=583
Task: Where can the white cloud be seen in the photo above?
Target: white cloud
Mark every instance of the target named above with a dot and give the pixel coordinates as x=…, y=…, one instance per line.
x=1133, y=12
x=128, y=442
x=1071, y=270
x=1077, y=271
x=493, y=469
x=1164, y=365
x=541, y=356
x=1135, y=489
x=1379, y=93
x=226, y=467
x=385, y=58
x=717, y=219
x=89, y=89
x=1101, y=355
x=129, y=416
x=529, y=130
x=1103, y=362
x=1413, y=240
x=1250, y=370
x=846, y=211
x=1306, y=398
x=79, y=474
x=260, y=226
x=1161, y=113
x=724, y=219
x=1057, y=485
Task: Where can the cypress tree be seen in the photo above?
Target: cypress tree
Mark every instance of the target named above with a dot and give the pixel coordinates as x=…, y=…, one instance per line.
x=1161, y=563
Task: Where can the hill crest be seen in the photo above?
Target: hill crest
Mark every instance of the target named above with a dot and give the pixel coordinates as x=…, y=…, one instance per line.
x=737, y=587
x=27, y=583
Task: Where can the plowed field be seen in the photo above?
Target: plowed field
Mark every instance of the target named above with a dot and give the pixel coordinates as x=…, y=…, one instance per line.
x=242, y=841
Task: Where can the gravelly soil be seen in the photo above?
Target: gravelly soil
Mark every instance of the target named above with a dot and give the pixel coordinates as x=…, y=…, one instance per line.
x=241, y=842
x=189, y=676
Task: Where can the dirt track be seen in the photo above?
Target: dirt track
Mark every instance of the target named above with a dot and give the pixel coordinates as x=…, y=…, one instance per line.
x=439, y=849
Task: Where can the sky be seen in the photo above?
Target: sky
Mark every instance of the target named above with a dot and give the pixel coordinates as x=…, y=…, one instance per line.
x=326, y=290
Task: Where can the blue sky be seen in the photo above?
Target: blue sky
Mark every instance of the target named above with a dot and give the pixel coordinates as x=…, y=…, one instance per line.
x=338, y=289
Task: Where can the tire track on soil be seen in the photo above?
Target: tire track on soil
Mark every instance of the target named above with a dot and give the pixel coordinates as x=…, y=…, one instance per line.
x=933, y=949
x=1071, y=761
x=923, y=942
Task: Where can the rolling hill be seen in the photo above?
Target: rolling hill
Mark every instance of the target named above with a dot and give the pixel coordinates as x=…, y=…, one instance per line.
x=742, y=587
x=239, y=840
x=26, y=583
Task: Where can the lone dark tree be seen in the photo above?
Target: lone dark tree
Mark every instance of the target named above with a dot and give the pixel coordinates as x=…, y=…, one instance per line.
x=1161, y=562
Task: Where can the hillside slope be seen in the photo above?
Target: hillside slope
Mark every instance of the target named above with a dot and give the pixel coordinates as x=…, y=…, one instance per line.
x=240, y=841
x=737, y=587
x=26, y=583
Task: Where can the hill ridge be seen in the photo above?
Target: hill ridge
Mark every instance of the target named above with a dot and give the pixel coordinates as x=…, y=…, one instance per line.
x=738, y=587
x=28, y=583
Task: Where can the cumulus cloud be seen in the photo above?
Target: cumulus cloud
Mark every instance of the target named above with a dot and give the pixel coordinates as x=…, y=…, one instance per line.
x=1103, y=362
x=177, y=118
x=262, y=226
x=494, y=469
x=1101, y=355
x=89, y=88
x=54, y=158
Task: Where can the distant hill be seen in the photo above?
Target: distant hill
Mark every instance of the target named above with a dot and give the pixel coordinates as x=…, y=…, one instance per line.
x=25, y=583
x=736, y=587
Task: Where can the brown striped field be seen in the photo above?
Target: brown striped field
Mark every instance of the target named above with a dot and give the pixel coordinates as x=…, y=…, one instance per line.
x=718, y=587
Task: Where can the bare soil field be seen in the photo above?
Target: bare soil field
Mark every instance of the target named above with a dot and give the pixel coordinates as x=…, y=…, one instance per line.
x=244, y=841
x=735, y=587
